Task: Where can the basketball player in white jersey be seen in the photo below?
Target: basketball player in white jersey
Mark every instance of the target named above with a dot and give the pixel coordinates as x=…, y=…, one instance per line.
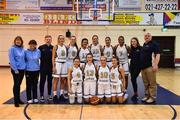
x=117, y=77
x=108, y=51
x=75, y=79
x=83, y=51
x=59, y=56
x=89, y=78
x=122, y=51
x=96, y=49
x=104, y=89
x=72, y=51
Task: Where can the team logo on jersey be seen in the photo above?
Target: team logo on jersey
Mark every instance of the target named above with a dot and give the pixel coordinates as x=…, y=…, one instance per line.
x=95, y=51
x=78, y=75
x=108, y=54
x=112, y=76
x=120, y=53
x=63, y=53
x=74, y=53
x=84, y=55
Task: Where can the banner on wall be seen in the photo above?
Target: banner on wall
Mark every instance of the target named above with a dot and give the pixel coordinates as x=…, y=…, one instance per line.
x=7, y=18
x=149, y=19
x=160, y=4
x=22, y=4
x=127, y=5
x=85, y=5
x=60, y=18
x=56, y=4
x=172, y=19
x=21, y=18
x=2, y=4
x=31, y=18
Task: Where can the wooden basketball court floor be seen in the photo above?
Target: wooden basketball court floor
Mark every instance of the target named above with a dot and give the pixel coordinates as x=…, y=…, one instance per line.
x=167, y=78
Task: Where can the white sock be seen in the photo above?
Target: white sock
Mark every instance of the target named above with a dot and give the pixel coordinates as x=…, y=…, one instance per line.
x=61, y=92
x=65, y=91
x=55, y=93
x=126, y=96
x=79, y=99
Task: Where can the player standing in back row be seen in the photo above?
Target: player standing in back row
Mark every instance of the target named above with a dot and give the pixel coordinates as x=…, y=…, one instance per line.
x=108, y=51
x=83, y=51
x=122, y=52
x=72, y=51
x=59, y=56
x=96, y=49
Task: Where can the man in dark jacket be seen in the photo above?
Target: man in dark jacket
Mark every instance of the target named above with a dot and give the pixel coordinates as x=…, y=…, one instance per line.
x=46, y=67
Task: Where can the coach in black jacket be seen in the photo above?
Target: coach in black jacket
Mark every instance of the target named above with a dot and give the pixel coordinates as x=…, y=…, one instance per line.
x=46, y=67
x=135, y=65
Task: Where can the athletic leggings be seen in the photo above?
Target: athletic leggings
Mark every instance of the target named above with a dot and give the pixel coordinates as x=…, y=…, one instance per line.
x=134, y=74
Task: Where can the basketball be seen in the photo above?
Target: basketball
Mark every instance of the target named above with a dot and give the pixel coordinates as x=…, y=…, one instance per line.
x=94, y=100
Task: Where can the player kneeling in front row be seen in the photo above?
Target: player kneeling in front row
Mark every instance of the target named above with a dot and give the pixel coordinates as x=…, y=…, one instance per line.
x=117, y=76
x=104, y=88
x=75, y=81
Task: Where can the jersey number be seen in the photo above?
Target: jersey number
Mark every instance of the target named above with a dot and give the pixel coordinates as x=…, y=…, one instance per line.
x=104, y=75
x=90, y=73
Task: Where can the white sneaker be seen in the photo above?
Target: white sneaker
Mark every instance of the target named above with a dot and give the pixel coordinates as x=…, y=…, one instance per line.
x=42, y=99
x=30, y=101
x=150, y=100
x=50, y=97
x=144, y=99
x=36, y=100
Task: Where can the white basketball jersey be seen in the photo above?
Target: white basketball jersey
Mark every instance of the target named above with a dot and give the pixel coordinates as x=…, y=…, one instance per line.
x=61, y=53
x=122, y=54
x=95, y=50
x=104, y=75
x=82, y=54
x=108, y=53
x=76, y=75
x=114, y=76
x=72, y=52
x=90, y=72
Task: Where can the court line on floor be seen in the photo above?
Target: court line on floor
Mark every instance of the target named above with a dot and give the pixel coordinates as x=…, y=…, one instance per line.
x=174, y=111
x=25, y=112
x=80, y=118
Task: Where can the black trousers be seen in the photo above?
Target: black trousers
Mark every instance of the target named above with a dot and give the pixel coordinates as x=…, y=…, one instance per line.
x=45, y=75
x=31, y=84
x=17, y=83
x=134, y=74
